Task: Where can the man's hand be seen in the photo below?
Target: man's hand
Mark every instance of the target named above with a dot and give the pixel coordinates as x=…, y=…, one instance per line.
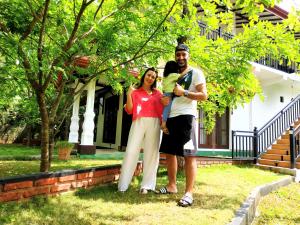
x=178, y=90
x=165, y=100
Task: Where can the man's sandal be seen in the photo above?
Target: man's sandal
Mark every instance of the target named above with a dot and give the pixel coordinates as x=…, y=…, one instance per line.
x=185, y=201
x=164, y=191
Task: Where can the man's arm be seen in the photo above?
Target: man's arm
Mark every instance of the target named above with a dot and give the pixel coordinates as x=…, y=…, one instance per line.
x=199, y=95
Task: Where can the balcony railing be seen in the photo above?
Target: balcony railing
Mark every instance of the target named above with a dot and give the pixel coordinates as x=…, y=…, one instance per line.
x=266, y=61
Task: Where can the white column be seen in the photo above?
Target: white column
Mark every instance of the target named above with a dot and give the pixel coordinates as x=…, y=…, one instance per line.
x=87, y=136
x=74, y=126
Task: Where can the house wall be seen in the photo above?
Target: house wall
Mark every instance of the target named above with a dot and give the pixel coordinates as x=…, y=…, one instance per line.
x=259, y=112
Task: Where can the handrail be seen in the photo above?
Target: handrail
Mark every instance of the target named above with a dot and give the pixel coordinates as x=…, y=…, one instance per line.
x=278, y=114
x=263, y=138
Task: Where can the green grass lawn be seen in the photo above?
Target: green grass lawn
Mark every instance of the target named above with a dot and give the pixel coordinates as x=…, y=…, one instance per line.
x=219, y=192
x=15, y=168
x=10, y=167
x=285, y=206
x=12, y=150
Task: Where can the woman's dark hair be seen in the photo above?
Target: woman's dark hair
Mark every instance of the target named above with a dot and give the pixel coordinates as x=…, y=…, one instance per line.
x=143, y=78
x=171, y=67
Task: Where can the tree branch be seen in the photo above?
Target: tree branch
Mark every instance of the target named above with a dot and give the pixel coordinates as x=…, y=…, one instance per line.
x=68, y=44
x=99, y=7
x=115, y=66
x=40, y=42
x=157, y=28
x=104, y=18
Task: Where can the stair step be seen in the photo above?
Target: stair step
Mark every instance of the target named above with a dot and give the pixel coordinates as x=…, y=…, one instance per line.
x=275, y=157
x=267, y=162
x=285, y=136
x=285, y=164
x=278, y=152
x=281, y=146
x=283, y=141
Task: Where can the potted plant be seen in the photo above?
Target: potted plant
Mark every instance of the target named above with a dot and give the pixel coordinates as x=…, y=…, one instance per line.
x=64, y=149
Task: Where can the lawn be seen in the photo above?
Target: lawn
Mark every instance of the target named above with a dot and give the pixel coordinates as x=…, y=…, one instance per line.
x=219, y=192
x=14, y=150
x=285, y=206
x=15, y=168
x=12, y=161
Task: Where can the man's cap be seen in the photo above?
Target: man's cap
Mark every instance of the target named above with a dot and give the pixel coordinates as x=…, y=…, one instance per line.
x=182, y=47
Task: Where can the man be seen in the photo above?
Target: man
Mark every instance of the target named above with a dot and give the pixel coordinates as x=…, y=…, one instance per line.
x=181, y=140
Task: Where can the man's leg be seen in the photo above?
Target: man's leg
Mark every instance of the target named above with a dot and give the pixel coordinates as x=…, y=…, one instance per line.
x=190, y=173
x=172, y=172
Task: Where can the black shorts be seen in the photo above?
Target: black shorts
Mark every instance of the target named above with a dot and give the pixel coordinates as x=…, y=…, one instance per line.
x=181, y=131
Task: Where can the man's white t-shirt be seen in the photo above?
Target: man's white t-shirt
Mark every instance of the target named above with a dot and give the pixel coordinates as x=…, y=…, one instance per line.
x=183, y=105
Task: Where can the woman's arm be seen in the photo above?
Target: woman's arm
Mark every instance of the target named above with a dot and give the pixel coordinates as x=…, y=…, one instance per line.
x=129, y=104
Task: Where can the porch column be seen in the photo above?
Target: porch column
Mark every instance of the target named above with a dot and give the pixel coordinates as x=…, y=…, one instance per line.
x=87, y=136
x=74, y=126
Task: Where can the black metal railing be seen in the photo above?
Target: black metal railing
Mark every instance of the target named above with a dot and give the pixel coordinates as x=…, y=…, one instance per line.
x=294, y=145
x=284, y=65
x=251, y=144
x=268, y=60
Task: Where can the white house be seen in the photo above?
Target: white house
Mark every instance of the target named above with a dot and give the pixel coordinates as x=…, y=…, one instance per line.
x=105, y=124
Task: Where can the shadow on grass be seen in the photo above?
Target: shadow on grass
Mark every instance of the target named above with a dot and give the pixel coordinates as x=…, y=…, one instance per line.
x=42, y=210
x=131, y=196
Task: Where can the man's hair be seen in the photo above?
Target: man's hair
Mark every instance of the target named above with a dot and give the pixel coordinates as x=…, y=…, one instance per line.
x=182, y=47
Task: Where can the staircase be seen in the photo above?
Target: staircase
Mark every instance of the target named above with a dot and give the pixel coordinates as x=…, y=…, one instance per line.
x=279, y=153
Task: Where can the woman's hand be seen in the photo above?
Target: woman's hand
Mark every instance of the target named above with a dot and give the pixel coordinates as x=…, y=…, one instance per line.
x=130, y=90
x=165, y=100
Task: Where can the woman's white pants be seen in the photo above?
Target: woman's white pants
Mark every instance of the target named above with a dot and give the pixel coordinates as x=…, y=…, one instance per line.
x=144, y=133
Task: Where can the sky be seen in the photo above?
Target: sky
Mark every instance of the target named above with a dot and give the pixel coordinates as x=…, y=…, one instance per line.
x=288, y=4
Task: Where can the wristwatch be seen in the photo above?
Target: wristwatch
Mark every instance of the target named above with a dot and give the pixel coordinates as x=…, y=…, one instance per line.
x=185, y=93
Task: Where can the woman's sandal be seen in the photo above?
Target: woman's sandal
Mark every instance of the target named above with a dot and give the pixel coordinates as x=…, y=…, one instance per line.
x=143, y=191
x=164, y=191
x=185, y=201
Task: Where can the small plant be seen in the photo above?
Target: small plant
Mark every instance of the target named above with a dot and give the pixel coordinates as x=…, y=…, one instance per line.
x=64, y=144
x=64, y=149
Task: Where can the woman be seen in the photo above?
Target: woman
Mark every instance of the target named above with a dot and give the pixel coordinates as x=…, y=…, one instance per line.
x=146, y=109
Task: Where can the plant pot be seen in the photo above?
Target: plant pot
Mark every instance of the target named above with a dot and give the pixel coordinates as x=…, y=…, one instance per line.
x=64, y=153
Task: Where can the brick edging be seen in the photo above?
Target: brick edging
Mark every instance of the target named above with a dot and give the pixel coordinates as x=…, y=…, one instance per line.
x=53, y=183
x=245, y=215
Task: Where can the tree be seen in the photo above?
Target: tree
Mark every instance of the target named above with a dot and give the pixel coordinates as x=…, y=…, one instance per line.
x=47, y=36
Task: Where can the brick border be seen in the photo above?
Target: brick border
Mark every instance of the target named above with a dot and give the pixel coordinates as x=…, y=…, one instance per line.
x=53, y=183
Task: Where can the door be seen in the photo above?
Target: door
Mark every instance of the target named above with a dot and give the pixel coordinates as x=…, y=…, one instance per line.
x=219, y=138
x=110, y=119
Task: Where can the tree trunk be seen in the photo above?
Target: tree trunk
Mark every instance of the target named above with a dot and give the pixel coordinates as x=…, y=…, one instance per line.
x=29, y=135
x=51, y=146
x=44, y=166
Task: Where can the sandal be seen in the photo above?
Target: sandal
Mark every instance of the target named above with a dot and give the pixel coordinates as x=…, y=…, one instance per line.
x=185, y=201
x=164, y=191
x=143, y=191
